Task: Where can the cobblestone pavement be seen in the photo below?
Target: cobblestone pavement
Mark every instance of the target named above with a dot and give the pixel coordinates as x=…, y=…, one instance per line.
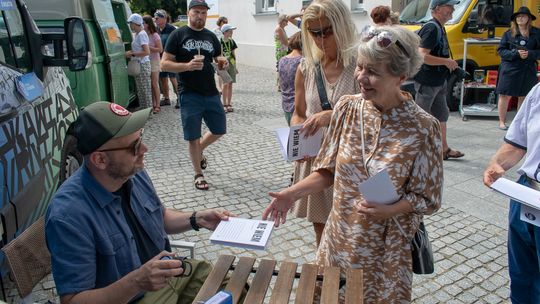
x=468, y=234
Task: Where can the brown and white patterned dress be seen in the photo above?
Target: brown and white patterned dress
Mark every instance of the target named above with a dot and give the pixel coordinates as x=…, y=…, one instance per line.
x=406, y=141
x=316, y=207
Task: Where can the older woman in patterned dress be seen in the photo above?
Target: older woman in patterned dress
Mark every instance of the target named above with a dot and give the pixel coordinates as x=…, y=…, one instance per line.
x=398, y=136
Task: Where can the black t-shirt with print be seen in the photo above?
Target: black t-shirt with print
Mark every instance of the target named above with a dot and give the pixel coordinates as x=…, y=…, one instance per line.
x=184, y=43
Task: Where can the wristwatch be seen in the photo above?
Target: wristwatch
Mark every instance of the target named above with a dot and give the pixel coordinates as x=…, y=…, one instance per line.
x=193, y=221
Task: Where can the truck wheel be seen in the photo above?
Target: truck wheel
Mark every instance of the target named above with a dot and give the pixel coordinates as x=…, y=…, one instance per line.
x=453, y=93
x=71, y=158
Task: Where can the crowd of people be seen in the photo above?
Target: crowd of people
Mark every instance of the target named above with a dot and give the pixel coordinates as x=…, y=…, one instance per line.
x=107, y=230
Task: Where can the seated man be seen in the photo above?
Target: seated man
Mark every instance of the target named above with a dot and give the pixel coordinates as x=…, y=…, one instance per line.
x=106, y=228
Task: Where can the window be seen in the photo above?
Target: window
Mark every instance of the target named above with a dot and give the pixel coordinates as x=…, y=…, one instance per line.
x=13, y=43
x=357, y=5
x=265, y=6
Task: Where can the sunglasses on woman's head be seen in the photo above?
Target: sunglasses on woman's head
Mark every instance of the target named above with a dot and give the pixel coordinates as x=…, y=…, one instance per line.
x=384, y=39
x=322, y=33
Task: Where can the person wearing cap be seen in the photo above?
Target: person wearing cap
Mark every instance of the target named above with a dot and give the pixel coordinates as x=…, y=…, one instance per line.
x=140, y=52
x=228, y=45
x=106, y=228
x=519, y=50
x=164, y=30
x=521, y=142
x=430, y=83
x=198, y=94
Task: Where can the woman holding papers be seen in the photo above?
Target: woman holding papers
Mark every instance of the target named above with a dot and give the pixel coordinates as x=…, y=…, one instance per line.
x=521, y=141
x=381, y=129
x=328, y=38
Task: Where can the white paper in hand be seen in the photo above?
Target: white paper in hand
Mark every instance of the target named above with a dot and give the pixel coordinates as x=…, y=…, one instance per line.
x=379, y=189
x=517, y=192
x=295, y=146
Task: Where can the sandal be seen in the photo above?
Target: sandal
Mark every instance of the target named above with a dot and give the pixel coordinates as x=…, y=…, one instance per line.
x=156, y=110
x=449, y=153
x=200, y=182
x=204, y=162
x=230, y=108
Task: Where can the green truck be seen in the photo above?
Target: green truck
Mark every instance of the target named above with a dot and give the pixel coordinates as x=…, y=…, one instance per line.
x=106, y=78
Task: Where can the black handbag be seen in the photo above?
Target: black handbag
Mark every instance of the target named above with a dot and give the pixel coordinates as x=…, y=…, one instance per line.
x=422, y=254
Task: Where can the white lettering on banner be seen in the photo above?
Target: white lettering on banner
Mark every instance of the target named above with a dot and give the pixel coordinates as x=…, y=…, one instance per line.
x=192, y=44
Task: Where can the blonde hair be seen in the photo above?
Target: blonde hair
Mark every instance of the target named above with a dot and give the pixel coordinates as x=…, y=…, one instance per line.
x=343, y=28
x=281, y=18
x=397, y=61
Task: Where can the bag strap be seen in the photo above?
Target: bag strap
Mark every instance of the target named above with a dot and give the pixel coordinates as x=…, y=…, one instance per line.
x=325, y=105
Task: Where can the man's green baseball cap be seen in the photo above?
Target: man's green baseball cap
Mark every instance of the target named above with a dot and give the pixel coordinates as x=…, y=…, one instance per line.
x=101, y=121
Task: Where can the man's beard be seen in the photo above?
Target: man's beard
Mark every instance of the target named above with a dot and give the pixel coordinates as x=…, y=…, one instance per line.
x=198, y=23
x=115, y=171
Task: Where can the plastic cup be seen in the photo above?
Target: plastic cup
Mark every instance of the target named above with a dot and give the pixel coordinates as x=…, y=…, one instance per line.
x=198, y=57
x=222, y=60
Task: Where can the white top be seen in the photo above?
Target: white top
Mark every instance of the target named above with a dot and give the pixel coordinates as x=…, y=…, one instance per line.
x=218, y=32
x=140, y=39
x=524, y=133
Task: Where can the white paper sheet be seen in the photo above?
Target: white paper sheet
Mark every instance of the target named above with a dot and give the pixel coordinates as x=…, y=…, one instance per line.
x=244, y=233
x=295, y=146
x=520, y=193
x=379, y=189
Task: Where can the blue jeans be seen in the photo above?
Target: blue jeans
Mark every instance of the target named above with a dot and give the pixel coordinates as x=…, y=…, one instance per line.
x=523, y=256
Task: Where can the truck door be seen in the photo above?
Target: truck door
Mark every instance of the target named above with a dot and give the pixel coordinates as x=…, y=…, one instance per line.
x=114, y=51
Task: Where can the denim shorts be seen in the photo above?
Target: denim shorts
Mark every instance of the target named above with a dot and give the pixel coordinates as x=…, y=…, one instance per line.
x=194, y=108
x=167, y=75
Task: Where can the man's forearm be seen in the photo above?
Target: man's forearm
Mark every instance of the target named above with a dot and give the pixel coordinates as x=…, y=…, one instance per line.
x=434, y=60
x=507, y=156
x=175, y=67
x=176, y=221
x=118, y=292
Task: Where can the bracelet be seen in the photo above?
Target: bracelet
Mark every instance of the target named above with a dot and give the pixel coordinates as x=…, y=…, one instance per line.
x=193, y=221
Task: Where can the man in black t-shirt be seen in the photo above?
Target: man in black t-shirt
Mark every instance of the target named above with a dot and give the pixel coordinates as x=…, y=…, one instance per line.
x=190, y=51
x=430, y=82
x=165, y=29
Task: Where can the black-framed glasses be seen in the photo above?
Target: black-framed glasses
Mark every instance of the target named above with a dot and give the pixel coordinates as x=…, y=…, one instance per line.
x=384, y=38
x=322, y=33
x=134, y=147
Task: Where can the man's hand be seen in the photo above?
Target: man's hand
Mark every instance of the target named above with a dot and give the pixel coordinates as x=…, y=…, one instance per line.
x=451, y=64
x=210, y=218
x=195, y=64
x=375, y=211
x=523, y=54
x=492, y=173
x=278, y=208
x=315, y=122
x=128, y=54
x=153, y=274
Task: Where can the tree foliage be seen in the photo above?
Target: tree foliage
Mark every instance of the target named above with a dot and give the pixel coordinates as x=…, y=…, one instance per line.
x=173, y=7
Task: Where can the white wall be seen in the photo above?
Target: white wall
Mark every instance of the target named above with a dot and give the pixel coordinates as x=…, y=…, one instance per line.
x=255, y=33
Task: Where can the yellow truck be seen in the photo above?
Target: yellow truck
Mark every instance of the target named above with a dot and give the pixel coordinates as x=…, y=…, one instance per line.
x=471, y=19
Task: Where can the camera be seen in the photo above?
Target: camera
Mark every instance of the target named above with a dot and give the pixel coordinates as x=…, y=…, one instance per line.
x=461, y=74
x=185, y=264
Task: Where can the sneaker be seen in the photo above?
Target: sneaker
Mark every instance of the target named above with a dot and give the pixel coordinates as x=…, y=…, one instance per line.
x=165, y=102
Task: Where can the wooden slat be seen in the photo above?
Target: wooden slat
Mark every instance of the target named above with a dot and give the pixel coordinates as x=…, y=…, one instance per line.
x=306, y=286
x=284, y=282
x=215, y=278
x=239, y=277
x=330, y=287
x=354, y=286
x=260, y=283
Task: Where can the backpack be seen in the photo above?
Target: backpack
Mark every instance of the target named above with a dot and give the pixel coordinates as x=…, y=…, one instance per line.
x=439, y=35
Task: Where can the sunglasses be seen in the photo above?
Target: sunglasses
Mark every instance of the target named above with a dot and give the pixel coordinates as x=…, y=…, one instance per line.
x=384, y=39
x=322, y=33
x=159, y=15
x=134, y=147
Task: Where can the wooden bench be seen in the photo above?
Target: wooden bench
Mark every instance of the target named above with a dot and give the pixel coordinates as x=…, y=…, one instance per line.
x=283, y=286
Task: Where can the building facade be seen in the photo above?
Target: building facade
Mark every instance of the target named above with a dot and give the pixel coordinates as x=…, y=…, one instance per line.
x=257, y=19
